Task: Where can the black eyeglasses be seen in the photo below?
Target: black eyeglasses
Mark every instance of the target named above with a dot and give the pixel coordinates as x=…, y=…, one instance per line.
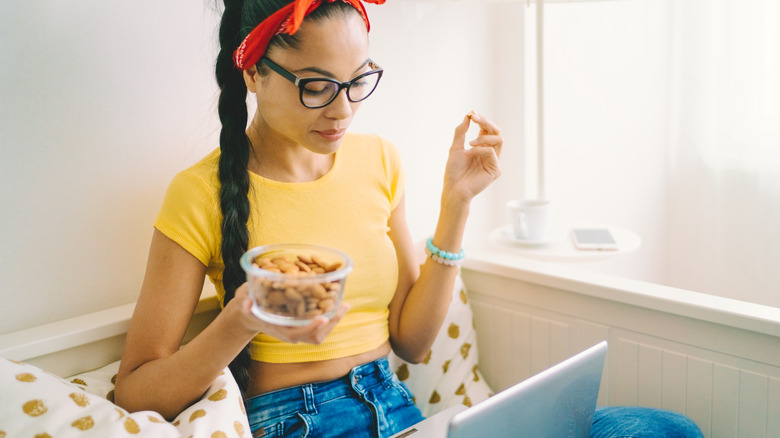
x=320, y=92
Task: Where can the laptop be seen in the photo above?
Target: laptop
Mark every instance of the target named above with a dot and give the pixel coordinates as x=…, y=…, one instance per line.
x=558, y=402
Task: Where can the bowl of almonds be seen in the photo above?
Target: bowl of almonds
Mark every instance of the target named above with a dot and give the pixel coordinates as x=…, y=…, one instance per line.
x=291, y=284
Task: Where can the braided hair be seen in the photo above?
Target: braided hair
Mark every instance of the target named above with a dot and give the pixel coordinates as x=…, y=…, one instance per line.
x=238, y=19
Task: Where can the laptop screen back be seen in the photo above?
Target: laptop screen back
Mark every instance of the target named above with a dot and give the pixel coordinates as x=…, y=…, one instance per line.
x=558, y=402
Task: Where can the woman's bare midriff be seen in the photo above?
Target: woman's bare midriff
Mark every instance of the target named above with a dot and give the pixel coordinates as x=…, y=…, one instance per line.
x=267, y=377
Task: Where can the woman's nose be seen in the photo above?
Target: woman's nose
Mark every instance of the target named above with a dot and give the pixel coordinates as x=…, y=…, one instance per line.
x=340, y=108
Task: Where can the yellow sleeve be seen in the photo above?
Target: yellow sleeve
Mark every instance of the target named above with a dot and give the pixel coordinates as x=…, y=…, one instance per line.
x=191, y=217
x=394, y=172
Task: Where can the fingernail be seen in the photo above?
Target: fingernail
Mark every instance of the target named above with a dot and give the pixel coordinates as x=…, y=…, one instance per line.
x=473, y=115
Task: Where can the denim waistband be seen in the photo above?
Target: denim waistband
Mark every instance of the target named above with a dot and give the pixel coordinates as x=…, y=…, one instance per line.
x=306, y=397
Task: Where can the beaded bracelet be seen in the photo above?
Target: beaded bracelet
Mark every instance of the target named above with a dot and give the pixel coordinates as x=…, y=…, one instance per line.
x=443, y=257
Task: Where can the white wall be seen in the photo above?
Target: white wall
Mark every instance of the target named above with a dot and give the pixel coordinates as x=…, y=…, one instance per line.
x=102, y=102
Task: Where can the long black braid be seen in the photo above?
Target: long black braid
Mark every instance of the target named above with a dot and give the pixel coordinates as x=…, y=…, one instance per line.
x=233, y=162
x=238, y=19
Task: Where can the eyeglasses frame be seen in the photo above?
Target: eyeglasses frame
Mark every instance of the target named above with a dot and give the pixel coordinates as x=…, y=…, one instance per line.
x=301, y=82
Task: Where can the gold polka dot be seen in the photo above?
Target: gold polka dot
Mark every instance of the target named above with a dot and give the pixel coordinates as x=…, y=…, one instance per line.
x=237, y=425
x=154, y=419
x=80, y=399
x=453, y=331
x=219, y=395
x=461, y=389
x=402, y=372
x=241, y=403
x=446, y=365
x=40, y=435
x=113, y=380
x=2, y=434
x=34, y=408
x=110, y=396
x=26, y=377
x=83, y=423
x=79, y=382
x=177, y=423
x=219, y=434
x=197, y=414
x=427, y=357
x=463, y=296
x=120, y=412
x=131, y=426
x=476, y=375
x=466, y=401
x=435, y=398
x=464, y=350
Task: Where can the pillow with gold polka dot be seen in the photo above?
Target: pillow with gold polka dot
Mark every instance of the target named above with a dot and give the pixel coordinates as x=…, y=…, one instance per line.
x=449, y=374
x=36, y=403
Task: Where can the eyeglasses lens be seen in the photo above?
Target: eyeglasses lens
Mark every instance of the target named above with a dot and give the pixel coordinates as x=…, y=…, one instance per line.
x=363, y=87
x=316, y=94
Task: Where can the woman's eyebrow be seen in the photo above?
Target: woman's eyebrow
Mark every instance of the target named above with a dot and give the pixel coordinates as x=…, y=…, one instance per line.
x=326, y=73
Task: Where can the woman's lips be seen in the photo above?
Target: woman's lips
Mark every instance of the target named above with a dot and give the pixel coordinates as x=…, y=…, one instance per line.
x=331, y=134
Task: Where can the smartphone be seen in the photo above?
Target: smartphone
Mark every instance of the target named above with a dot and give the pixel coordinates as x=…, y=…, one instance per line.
x=598, y=239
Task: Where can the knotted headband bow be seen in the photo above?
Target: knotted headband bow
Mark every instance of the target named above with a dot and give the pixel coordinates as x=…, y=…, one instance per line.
x=286, y=20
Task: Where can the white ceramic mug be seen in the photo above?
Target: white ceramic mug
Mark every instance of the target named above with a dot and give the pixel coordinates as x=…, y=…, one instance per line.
x=529, y=218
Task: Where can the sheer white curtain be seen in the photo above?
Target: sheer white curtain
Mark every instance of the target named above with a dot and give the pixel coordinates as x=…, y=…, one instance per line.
x=724, y=201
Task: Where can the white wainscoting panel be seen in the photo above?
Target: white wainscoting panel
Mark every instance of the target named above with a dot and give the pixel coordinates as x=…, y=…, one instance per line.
x=726, y=379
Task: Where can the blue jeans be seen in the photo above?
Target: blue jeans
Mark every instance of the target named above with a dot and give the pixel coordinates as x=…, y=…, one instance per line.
x=635, y=422
x=370, y=401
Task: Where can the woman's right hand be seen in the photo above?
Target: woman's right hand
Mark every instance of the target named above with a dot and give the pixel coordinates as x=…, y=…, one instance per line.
x=312, y=333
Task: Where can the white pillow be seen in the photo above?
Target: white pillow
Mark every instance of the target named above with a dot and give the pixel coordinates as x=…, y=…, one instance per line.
x=34, y=402
x=449, y=374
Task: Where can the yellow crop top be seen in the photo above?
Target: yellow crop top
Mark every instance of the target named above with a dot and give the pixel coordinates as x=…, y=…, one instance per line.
x=347, y=209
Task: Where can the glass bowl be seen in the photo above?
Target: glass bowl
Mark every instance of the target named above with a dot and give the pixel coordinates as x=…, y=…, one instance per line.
x=291, y=284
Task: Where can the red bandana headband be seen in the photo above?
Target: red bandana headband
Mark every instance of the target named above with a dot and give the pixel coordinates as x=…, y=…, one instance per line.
x=286, y=20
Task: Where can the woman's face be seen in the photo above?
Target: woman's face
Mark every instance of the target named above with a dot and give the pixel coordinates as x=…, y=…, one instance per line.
x=334, y=48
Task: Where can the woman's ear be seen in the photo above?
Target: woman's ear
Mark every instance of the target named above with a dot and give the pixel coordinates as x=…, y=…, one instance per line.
x=251, y=79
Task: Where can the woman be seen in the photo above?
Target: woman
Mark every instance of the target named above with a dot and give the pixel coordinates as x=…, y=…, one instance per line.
x=294, y=175
x=294, y=157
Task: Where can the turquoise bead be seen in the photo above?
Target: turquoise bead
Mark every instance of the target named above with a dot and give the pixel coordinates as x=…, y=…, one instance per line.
x=446, y=255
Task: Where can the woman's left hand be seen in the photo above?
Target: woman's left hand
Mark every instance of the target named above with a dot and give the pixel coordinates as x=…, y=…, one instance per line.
x=470, y=171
